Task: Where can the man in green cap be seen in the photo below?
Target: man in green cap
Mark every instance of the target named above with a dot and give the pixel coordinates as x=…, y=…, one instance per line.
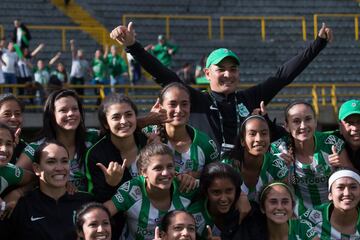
x=220, y=111
x=349, y=129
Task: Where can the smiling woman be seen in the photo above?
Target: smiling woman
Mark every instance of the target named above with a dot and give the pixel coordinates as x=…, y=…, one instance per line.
x=340, y=218
x=146, y=198
x=251, y=158
x=11, y=114
x=93, y=222
x=42, y=220
x=311, y=155
x=63, y=120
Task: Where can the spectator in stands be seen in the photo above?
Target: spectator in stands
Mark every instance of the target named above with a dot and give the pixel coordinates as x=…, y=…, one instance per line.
x=2, y=63
x=60, y=73
x=186, y=74
x=21, y=34
x=25, y=73
x=311, y=155
x=99, y=72
x=220, y=111
x=163, y=51
x=93, y=222
x=118, y=70
x=63, y=120
x=48, y=211
x=79, y=68
x=134, y=70
x=10, y=59
x=349, y=129
x=200, y=77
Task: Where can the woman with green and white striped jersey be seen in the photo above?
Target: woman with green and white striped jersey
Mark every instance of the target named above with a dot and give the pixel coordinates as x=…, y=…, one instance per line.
x=338, y=219
x=251, y=158
x=148, y=197
x=311, y=155
x=193, y=149
x=277, y=202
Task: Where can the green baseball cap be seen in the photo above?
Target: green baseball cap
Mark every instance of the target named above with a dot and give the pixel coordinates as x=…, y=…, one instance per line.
x=348, y=108
x=219, y=54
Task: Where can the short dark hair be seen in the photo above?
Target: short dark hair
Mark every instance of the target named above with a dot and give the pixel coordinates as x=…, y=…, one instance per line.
x=40, y=148
x=167, y=218
x=79, y=218
x=10, y=97
x=216, y=170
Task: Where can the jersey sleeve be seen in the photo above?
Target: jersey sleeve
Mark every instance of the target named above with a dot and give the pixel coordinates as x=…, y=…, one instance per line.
x=12, y=174
x=126, y=195
x=29, y=150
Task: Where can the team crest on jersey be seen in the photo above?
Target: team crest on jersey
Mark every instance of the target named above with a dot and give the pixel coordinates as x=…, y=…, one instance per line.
x=119, y=197
x=30, y=150
x=135, y=193
x=280, y=164
x=332, y=140
x=315, y=216
x=243, y=111
x=125, y=186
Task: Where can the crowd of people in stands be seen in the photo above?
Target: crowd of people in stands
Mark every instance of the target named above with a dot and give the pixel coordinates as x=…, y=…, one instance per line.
x=201, y=165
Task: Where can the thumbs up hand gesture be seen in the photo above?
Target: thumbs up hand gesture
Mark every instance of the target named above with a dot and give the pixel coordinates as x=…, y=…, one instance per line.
x=124, y=35
x=334, y=158
x=326, y=33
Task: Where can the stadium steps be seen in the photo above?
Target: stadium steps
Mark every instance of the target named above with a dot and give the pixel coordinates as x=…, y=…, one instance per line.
x=81, y=17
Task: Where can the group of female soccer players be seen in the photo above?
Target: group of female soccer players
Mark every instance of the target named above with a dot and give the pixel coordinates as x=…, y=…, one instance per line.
x=176, y=185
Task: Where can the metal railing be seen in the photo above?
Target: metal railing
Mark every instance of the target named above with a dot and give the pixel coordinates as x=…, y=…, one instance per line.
x=168, y=18
x=337, y=15
x=65, y=29
x=321, y=94
x=263, y=20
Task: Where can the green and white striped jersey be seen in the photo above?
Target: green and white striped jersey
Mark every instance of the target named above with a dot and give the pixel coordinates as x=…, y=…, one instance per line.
x=273, y=168
x=10, y=175
x=320, y=220
x=203, y=218
x=301, y=229
x=142, y=216
x=311, y=180
x=202, y=151
x=77, y=173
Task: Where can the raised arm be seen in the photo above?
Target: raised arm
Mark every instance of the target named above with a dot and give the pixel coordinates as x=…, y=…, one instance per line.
x=55, y=58
x=267, y=90
x=37, y=50
x=126, y=37
x=72, y=48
